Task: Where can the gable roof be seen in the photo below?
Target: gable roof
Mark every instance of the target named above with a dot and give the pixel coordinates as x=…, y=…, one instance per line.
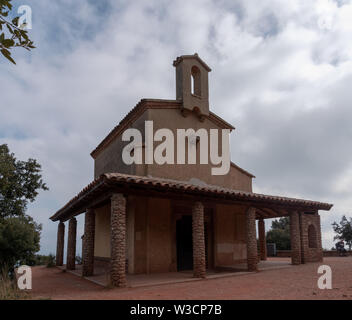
x=138, y=110
x=242, y=170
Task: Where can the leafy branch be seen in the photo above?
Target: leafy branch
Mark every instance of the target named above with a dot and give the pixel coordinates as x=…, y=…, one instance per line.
x=12, y=35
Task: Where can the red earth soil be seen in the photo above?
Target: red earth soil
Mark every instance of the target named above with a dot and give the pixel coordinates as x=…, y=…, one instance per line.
x=296, y=282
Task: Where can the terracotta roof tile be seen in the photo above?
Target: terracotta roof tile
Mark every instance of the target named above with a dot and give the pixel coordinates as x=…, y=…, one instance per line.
x=112, y=179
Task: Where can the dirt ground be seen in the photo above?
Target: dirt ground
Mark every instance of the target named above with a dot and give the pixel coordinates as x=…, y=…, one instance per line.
x=296, y=282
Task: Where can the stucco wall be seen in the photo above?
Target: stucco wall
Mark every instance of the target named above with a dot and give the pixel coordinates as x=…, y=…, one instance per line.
x=238, y=180
x=159, y=236
x=140, y=227
x=151, y=239
x=110, y=159
x=230, y=237
x=161, y=118
x=152, y=235
x=102, y=232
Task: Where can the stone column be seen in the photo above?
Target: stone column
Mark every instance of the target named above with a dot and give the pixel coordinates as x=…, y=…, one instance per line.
x=262, y=239
x=71, y=244
x=60, y=244
x=118, y=240
x=319, y=243
x=88, y=243
x=295, y=238
x=303, y=228
x=130, y=220
x=252, y=251
x=199, y=268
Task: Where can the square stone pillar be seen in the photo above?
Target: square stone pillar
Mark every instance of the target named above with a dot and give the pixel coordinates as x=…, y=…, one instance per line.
x=88, y=244
x=71, y=244
x=199, y=265
x=252, y=251
x=60, y=244
x=262, y=239
x=310, y=222
x=118, y=240
x=295, y=238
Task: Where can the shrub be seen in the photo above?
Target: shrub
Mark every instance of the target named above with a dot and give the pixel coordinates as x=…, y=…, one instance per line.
x=19, y=241
x=50, y=261
x=43, y=260
x=40, y=260
x=8, y=287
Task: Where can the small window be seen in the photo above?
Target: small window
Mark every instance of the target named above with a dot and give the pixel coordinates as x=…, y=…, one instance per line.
x=195, y=81
x=312, y=237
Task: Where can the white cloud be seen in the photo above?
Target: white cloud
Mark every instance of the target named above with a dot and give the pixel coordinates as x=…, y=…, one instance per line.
x=281, y=75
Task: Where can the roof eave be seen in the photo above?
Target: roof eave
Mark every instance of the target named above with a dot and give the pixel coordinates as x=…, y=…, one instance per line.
x=120, y=180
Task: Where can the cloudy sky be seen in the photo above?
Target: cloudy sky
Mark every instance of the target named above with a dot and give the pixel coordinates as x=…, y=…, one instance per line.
x=282, y=75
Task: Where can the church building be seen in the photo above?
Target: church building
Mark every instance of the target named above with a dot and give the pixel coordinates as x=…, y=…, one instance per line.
x=143, y=218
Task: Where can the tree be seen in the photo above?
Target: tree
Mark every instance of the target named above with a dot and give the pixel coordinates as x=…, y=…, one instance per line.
x=20, y=182
x=282, y=224
x=343, y=230
x=280, y=233
x=11, y=35
x=19, y=241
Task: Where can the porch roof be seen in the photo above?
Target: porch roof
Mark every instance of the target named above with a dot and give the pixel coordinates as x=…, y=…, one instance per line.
x=100, y=190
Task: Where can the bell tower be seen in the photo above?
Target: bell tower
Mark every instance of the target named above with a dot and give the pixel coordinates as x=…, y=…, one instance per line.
x=192, y=85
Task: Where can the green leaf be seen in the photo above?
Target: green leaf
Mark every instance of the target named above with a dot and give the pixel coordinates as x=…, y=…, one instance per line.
x=14, y=36
x=10, y=29
x=7, y=55
x=15, y=21
x=8, y=43
x=24, y=34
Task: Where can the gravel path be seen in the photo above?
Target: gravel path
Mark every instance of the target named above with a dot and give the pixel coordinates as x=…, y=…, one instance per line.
x=297, y=282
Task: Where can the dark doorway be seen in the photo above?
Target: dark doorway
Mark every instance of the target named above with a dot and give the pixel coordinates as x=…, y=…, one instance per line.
x=184, y=243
